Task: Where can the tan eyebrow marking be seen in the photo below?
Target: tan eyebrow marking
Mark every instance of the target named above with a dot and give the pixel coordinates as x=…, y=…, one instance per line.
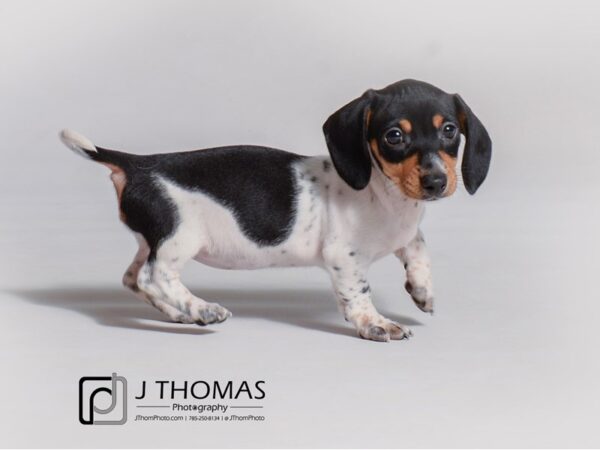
x=438, y=119
x=406, y=125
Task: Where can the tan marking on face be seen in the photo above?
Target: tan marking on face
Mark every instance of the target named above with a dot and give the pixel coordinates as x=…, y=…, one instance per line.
x=119, y=179
x=438, y=120
x=406, y=126
x=450, y=165
x=405, y=174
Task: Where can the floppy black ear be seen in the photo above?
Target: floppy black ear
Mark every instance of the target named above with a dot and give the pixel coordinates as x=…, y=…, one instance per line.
x=346, y=136
x=478, y=147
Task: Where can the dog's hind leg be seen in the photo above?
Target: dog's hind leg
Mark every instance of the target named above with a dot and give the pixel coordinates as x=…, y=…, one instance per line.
x=159, y=280
x=130, y=276
x=130, y=281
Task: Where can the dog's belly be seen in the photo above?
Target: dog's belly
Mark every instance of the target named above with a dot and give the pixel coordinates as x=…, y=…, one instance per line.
x=224, y=244
x=247, y=261
x=233, y=251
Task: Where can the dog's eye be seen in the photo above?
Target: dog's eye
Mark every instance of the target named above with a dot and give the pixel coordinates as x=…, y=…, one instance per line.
x=394, y=137
x=449, y=130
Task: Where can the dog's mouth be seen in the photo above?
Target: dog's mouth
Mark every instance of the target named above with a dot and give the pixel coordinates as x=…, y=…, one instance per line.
x=422, y=195
x=431, y=198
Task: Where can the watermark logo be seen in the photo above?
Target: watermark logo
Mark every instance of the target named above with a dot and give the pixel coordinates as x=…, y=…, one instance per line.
x=103, y=400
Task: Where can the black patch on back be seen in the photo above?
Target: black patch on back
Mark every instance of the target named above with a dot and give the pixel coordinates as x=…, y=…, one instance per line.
x=256, y=183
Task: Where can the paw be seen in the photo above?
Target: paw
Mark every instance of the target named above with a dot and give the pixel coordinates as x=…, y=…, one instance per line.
x=421, y=295
x=383, y=330
x=397, y=331
x=208, y=313
x=183, y=318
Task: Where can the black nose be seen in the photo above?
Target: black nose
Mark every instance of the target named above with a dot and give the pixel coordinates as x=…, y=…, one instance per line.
x=433, y=184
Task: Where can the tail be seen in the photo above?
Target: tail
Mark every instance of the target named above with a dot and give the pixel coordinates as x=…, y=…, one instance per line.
x=84, y=147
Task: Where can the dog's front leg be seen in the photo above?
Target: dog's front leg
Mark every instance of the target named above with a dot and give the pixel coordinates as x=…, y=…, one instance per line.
x=418, y=272
x=354, y=299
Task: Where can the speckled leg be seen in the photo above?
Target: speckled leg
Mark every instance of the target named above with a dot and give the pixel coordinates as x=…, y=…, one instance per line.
x=354, y=299
x=130, y=276
x=130, y=280
x=418, y=272
x=159, y=280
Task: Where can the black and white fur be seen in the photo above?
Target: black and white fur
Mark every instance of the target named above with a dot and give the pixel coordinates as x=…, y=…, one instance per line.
x=250, y=207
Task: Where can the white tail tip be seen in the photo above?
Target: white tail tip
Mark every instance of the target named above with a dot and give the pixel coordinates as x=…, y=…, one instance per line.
x=76, y=142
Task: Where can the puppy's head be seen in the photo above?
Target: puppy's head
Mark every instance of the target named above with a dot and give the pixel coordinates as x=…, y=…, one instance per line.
x=411, y=130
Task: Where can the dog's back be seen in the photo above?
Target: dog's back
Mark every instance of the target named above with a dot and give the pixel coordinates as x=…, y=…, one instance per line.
x=258, y=184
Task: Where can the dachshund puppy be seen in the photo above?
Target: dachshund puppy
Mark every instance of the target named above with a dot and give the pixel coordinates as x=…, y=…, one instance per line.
x=249, y=207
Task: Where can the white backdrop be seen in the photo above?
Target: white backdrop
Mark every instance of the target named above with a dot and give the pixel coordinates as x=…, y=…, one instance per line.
x=510, y=359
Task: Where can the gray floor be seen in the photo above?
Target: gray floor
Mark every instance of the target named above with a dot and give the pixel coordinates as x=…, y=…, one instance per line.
x=510, y=357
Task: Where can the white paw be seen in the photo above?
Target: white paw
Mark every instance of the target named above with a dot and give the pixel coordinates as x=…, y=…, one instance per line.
x=421, y=295
x=383, y=330
x=208, y=313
